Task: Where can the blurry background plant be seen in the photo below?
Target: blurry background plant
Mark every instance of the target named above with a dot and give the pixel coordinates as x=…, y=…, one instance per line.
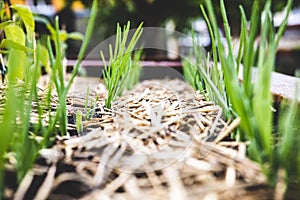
x=151, y=12
x=158, y=12
x=233, y=11
x=154, y=13
x=75, y=13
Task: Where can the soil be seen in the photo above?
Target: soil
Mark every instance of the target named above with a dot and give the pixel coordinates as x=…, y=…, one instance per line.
x=160, y=140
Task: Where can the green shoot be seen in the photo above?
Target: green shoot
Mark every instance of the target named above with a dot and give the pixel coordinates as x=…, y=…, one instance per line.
x=25, y=147
x=79, y=126
x=288, y=153
x=62, y=88
x=136, y=70
x=120, y=63
x=252, y=101
x=289, y=149
x=202, y=76
x=15, y=115
x=228, y=64
x=192, y=75
x=7, y=131
x=17, y=133
x=89, y=107
x=190, y=71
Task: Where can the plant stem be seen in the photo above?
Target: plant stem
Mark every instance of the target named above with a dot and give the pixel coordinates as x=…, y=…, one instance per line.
x=88, y=35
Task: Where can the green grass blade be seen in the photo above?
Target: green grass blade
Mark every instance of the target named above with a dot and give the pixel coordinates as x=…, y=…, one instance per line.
x=121, y=67
x=236, y=94
x=289, y=151
x=248, y=61
x=83, y=48
x=284, y=22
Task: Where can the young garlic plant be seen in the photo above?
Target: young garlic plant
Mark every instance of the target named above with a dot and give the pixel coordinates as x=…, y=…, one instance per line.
x=121, y=65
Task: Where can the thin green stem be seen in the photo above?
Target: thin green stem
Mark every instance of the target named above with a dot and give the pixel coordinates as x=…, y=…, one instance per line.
x=88, y=35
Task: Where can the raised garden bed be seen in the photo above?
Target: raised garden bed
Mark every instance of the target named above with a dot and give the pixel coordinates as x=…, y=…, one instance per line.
x=187, y=154
x=66, y=137
x=127, y=153
x=282, y=85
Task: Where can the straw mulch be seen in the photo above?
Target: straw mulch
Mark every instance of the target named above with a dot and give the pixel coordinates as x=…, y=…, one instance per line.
x=161, y=140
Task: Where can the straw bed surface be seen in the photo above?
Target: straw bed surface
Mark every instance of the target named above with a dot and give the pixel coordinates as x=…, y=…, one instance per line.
x=160, y=140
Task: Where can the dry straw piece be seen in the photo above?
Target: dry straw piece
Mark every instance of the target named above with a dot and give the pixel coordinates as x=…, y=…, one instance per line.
x=160, y=140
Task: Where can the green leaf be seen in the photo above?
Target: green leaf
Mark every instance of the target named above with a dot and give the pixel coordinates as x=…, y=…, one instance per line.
x=63, y=35
x=44, y=20
x=9, y=44
x=79, y=127
x=7, y=131
x=4, y=24
x=15, y=33
x=16, y=64
x=44, y=57
x=27, y=18
x=75, y=36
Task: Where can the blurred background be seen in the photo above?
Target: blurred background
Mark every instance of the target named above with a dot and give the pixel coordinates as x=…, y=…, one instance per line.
x=175, y=15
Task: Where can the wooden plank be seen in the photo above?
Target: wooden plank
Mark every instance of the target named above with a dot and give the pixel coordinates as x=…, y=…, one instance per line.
x=282, y=86
x=98, y=63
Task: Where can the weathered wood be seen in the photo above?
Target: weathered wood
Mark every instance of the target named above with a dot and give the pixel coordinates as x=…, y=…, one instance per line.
x=282, y=86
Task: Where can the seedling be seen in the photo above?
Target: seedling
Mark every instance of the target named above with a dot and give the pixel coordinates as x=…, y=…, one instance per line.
x=89, y=106
x=58, y=78
x=120, y=63
x=79, y=126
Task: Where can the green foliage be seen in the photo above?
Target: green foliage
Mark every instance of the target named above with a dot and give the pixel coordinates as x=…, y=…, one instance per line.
x=181, y=12
x=190, y=71
x=135, y=71
x=6, y=23
x=233, y=14
x=79, y=127
x=25, y=147
x=89, y=106
x=44, y=59
x=7, y=132
x=120, y=63
x=136, y=11
x=57, y=75
x=200, y=73
x=25, y=56
x=252, y=102
x=27, y=18
x=15, y=41
x=255, y=124
x=289, y=148
x=192, y=75
x=15, y=115
x=10, y=44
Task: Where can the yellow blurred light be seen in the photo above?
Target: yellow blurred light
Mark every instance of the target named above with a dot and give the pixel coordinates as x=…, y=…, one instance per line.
x=77, y=5
x=58, y=4
x=17, y=2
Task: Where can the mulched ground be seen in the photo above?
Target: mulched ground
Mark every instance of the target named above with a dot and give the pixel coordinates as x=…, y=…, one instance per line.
x=161, y=140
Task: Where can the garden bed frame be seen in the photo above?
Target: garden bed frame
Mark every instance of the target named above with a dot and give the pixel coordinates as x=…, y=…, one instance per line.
x=282, y=86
